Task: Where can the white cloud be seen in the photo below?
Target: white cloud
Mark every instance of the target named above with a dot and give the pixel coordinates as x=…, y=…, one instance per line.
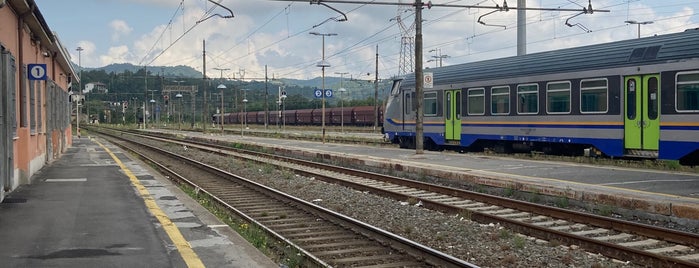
x=119, y=28
x=267, y=33
x=118, y=54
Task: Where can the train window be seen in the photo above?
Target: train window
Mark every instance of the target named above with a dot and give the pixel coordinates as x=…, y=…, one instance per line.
x=408, y=104
x=395, y=90
x=500, y=100
x=457, y=95
x=687, y=92
x=651, y=53
x=631, y=98
x=653, y=98
x=447, y=105
x=558, y=98
x=476, y=101
x=637, y=54
x=430, y=104
x=528, y=96
x=593, y=96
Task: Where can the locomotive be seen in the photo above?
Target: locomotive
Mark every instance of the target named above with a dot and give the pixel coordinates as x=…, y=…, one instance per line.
x=634, y=98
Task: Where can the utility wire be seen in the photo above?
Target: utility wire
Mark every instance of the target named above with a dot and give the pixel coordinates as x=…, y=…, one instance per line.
x=169, y=24
x=176, y=40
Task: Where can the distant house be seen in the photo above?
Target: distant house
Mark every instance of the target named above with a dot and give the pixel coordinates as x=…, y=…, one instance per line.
x=95, y=87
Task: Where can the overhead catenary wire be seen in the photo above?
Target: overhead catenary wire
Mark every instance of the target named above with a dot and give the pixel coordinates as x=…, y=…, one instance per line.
x=169, y=24
x=179, y=38
x=364, y=44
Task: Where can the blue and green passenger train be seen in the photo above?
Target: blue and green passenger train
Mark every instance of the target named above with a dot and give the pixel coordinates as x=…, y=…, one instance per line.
x=632, y=98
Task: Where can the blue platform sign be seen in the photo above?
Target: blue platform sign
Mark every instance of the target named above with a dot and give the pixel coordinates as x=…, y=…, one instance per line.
x=37, y=71
x=318, y=93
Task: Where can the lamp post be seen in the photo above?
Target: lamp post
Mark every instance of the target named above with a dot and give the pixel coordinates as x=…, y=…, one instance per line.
x=342, y=103
x=639, y=23
x=152, y=106
x=80, y=89
x=179, y=112
x=342, y=109
x=221, y=87
x=134, y=102
x=245, y=112
x=322, y=64
x=172, y=108
x=280, y=94
x=244, y=119
x=283, y=97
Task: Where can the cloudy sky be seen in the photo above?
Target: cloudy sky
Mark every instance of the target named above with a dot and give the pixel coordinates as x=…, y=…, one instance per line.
x=276, y=33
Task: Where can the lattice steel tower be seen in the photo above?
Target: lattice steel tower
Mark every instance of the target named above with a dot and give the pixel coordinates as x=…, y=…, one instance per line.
x=406, y=63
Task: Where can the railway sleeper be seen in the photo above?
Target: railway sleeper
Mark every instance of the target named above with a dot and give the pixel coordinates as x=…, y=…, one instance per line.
x=330, y=238
x=517, y=215
x=616, y=237
x=343, y=244
x=472, y=205
x=374, y=259
x=298, y=236
x=347, y=251
x=692, y=257
x=486, y=208
x=640, y=243
x=568, y=227
x=670, y=249
x=598, y=231
x=305, y=229
x=551, y=223
x=500, y=212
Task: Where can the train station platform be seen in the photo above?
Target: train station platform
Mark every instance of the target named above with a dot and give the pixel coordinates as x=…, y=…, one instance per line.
x=664, y=193
x=97, y=207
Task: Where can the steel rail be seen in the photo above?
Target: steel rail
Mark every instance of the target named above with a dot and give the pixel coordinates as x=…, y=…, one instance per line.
x=402, y=244
x=605, y=248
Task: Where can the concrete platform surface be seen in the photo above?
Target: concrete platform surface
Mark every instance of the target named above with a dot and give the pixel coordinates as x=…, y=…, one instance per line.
x=88, y=209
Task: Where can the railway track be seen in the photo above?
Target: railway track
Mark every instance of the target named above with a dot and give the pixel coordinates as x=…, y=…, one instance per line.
x=323, y=237
x=623, y=240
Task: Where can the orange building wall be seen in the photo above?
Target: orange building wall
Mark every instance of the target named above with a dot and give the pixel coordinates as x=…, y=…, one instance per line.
x=30, y=149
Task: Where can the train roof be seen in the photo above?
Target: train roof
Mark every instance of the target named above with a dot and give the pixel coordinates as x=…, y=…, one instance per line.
x=642, y=51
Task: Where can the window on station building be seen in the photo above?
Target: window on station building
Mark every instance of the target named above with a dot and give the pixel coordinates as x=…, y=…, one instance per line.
x=8, y=83
x=23, y=116
x=558, y=97
x=528, y=96
x=32, y=105
x=476, y=101
x=593, y=95
x=687, y=92
x=430, y=104
x=500, y=100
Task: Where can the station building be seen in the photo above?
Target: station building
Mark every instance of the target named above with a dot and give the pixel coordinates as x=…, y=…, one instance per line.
x=36, y=74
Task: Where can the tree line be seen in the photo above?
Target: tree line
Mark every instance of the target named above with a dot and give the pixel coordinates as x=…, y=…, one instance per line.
x=143, y=88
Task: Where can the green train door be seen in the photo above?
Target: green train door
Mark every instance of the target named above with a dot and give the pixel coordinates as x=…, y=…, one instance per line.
x=452, y=116
x=642, y=118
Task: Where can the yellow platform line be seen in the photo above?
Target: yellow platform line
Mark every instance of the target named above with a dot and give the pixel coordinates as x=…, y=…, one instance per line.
x=190, y=257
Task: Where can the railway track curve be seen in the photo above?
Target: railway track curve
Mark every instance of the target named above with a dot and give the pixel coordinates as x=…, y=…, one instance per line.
x=623, y=240
x=325, y=238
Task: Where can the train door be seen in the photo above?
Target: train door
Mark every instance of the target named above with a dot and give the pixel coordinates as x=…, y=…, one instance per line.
x=642, y=117
x=452, y=115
